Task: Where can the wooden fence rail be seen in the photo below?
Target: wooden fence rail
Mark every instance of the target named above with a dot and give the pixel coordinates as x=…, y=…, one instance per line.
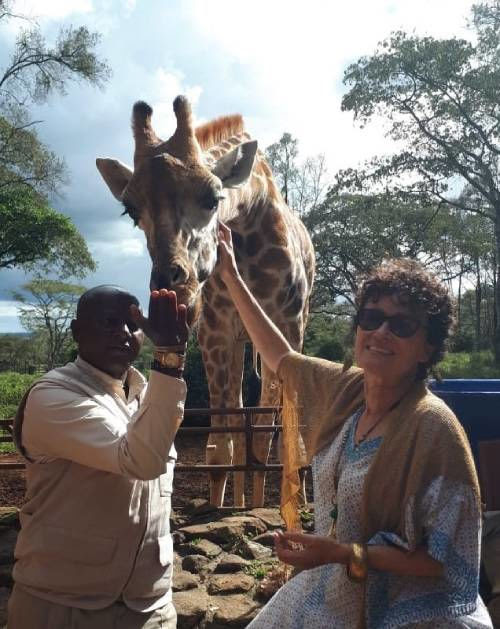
x=251, y=463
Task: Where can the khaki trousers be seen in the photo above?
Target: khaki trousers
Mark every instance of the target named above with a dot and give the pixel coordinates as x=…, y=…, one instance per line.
x=30, y=612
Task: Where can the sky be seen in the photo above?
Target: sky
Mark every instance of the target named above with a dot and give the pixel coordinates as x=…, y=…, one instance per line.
x=279, y=63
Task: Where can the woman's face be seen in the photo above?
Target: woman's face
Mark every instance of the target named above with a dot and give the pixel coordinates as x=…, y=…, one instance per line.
x=385, y=356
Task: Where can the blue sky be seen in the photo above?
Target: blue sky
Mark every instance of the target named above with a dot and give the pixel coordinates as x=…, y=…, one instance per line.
x=279, y=63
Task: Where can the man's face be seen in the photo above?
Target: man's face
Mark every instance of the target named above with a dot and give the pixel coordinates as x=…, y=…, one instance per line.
x=106, y=334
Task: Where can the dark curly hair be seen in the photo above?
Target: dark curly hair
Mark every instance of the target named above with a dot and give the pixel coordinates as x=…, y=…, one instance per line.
x=413, y=286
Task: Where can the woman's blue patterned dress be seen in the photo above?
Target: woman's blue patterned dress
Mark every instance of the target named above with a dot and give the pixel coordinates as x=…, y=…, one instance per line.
x=325, y=598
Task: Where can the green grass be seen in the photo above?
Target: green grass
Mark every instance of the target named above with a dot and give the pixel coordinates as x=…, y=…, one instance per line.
x=469, y=365
x=13, y=386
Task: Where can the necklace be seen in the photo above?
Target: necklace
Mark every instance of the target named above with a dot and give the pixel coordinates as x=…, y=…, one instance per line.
x=373, y=426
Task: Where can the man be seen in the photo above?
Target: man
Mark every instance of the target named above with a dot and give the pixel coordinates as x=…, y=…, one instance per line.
x=95, y=550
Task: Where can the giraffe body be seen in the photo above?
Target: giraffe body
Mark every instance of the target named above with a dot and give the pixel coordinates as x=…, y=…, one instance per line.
x=175, y=195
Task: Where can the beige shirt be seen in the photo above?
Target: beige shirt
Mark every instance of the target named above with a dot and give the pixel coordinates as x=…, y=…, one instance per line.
x=128, y=436
x=95, y=524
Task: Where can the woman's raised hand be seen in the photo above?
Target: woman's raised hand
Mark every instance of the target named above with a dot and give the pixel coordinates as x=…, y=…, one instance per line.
x=227, y=262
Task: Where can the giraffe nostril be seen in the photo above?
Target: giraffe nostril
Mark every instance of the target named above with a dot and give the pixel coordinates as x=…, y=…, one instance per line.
x=178, y=274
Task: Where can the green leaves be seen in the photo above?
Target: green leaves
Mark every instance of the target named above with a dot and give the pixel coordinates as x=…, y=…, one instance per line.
x=32, y=233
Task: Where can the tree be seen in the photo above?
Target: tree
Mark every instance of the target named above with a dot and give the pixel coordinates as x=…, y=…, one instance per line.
x=352, y=233
x=302, y=184
x=32, y=233
x=48, y=310
x=441, y=102
x=34, y=71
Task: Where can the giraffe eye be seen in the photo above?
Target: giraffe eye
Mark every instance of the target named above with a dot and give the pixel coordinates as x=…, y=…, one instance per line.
x=210, y=202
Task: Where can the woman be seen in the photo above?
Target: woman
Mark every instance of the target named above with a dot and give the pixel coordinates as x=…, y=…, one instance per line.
x=396, y=495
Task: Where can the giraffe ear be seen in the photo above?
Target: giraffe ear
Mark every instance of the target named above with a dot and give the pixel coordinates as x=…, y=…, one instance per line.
x=115, y=174
x=234, y=168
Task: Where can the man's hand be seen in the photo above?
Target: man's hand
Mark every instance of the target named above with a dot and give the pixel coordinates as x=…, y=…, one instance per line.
x=309, y=551
x=166, y=323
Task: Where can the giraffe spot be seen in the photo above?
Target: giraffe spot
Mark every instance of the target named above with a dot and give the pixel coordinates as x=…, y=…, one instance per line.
x=237, y=240
x=295, y=306
x=214, y=341
x=221, y=379
x=273, y=226
x=210, y=369
x=215, y=356
x=221, y=302
x=219, y=283
x=293, y=333
x=282, y=297
x=209, y=316
x=266, y=289
x=253, y=243
x=275, y=258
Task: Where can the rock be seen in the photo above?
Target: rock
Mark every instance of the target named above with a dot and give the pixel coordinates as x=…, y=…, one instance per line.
x=233, y=610
x=199, y=506
x=200, y=547
x=231, y=563
x=191, y=607
x=230, y=583
x=271, y=517
x=183, y=580
x=254, y=550
x=8, y=539
x=4, y=597
x=195, y=563
x=178, y=537
x=266, y=539
x=226, y=531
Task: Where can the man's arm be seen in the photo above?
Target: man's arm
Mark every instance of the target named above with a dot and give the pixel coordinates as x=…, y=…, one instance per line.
x=59, y=423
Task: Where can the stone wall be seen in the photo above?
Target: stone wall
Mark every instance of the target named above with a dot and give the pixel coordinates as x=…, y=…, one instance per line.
x=225, y=568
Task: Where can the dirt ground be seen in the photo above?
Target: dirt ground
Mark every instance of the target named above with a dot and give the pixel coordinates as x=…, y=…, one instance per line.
x=187, y=485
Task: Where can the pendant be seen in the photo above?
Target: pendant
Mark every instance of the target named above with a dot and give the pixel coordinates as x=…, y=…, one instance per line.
x=334, y=515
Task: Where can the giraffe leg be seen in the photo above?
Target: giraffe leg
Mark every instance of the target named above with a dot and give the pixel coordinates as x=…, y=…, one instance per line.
x=235, y=400
x=223, y=448
x=270, y=396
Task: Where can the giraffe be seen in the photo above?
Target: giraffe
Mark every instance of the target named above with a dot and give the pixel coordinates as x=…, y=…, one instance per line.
x=176, y=193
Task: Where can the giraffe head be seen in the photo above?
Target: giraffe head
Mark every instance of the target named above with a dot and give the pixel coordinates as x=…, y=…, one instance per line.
x=173, y=194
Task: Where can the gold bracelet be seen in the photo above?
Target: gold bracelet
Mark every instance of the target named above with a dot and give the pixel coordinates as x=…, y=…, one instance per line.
x=357, y=566
x=172, y=360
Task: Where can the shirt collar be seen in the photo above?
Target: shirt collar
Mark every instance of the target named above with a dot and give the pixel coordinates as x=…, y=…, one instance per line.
x=136, y=381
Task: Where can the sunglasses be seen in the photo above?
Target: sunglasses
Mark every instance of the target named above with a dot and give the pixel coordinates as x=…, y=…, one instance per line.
x=401, y=325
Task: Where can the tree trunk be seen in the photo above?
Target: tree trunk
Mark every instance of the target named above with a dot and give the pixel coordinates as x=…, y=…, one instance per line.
x=496, y=341
x=477, y=309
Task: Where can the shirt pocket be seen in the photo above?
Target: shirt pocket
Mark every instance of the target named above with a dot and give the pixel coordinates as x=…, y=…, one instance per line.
x=80, y=548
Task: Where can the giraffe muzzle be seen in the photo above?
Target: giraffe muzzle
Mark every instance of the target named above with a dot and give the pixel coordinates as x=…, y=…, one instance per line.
x=169, y=277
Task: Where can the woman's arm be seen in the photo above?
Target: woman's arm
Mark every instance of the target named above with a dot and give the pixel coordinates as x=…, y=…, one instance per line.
x=268, y=340
x=308, y=551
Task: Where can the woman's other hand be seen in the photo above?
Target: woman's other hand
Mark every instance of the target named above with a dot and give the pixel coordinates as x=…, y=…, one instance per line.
x=308, y=551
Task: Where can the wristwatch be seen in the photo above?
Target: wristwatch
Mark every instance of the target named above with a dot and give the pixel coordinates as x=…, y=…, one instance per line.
x=170, y=360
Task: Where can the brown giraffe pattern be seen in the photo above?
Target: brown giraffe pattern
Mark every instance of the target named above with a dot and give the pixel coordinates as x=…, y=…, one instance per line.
x=170, y=195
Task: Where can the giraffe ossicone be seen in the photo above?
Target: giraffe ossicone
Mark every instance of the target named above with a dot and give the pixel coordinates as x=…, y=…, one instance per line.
x=175, y=193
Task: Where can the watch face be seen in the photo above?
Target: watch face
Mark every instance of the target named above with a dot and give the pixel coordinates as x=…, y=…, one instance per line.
x=172, y=360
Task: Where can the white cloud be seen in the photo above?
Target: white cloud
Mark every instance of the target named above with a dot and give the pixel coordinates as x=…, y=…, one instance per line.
x=52, y=9
x=167, y=85
x=130, y=247
x=294, y=55
x=8, y=308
